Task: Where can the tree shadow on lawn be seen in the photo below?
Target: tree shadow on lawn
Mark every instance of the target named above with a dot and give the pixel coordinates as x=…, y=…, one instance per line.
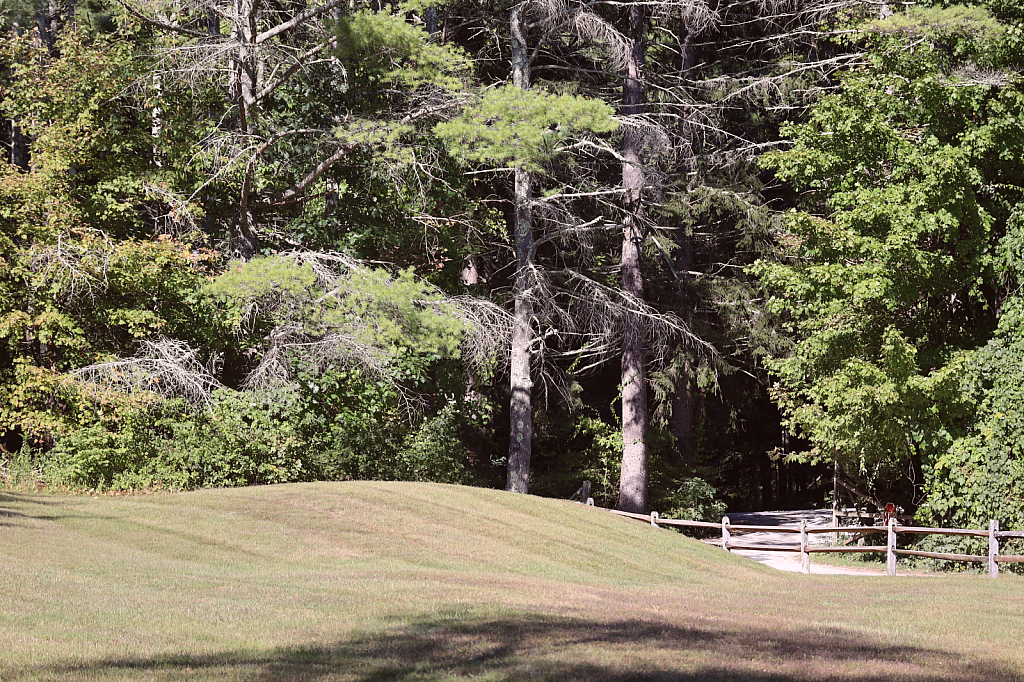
x=8, y=498
x=549, y=648
x=7, y=513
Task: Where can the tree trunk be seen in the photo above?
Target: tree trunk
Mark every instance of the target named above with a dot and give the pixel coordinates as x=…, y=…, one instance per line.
x=19, y=147
x=244, y=243
x=520, y=445
x=682, y=403
x=767, y=482
x=470, y=274
x=45, y=27
x=430, y=18
x=685, y=42
x=156, y=121
x=633, y=482
x=682, y=417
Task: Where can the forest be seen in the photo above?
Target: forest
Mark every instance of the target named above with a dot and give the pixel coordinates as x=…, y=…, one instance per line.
x=707, y=254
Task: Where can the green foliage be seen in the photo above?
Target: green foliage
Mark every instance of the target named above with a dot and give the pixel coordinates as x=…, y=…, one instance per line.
x=239, y=441
x=914, y=174
x=80, y=300
x=250, y=439
x=388, y=47
x=971, y=24
x=578, y=446
x=521, y=127
x=396, y=323
x=571, y=448
x=81, y=276
x=86, y=458
x=981, y=476
x=18, y=469
x=695, y=499
x=352, y=425
x=434, y=451
x=17, y=12
x=89, y=133
x=907, y=234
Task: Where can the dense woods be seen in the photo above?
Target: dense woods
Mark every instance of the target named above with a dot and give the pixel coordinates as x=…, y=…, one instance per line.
x=701, y=253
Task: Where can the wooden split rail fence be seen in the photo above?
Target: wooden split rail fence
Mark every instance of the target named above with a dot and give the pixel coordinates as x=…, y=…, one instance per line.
x=993, y=534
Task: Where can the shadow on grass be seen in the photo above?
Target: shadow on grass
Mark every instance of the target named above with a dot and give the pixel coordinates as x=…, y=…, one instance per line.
x=11, y=496
x=537, y=648
x=48, y=510
x=9, y=514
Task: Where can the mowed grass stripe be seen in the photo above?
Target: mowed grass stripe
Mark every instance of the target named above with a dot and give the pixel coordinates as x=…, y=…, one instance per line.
x=377, y=581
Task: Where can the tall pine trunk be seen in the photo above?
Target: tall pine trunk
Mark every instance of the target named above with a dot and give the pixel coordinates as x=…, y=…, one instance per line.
x=633, y=481
x=243, y=237
x=683, y=422
x=521, y=409
x=683, y=419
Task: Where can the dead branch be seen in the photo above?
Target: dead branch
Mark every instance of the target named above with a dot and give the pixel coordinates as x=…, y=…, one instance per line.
x=166, y=367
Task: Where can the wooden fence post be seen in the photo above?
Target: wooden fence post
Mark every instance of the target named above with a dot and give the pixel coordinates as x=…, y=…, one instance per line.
x=805, y=557
x=993, y=549
x=654, y=519
x=725, y=533
x=890, y=552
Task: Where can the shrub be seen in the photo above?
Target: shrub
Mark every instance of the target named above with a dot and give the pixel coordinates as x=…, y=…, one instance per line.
x=87, y=458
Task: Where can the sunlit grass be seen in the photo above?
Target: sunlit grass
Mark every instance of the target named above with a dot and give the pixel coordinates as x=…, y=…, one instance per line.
x=392, y=581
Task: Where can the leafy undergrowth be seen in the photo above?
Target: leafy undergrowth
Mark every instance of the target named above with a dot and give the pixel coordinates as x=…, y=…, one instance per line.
x=397, y=581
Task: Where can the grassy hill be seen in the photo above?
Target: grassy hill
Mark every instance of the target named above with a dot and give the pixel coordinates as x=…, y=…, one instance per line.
x=401, y=581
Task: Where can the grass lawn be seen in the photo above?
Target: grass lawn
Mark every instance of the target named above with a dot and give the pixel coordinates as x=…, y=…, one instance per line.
x=401, y=581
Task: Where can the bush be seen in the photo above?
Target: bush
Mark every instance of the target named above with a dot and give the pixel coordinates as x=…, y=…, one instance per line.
x=238, y=441
x=981, y=475
x=695, y=500
x=434, y=452
x=245, y=439
x=19, y=470
x=242, y=440
x=86, y=458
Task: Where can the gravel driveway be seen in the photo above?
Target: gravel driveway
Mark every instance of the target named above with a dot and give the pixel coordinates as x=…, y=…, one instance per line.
x=790, y=561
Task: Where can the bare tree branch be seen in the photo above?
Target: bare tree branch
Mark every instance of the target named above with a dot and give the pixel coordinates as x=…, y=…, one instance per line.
x=168, y=368
x=299, y=18
x=165, y=25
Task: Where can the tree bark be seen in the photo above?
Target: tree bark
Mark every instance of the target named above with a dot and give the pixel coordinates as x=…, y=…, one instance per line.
x=19, y=147
x=683, y=422
x=633, y=482
x=430, y=19
x=520, y=445
x=682, y=417
x=764, y=468
x=45, y=27
x=686, y=60
x=244, y=243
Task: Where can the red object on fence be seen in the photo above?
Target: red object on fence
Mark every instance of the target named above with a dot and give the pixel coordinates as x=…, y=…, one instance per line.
x=889, y=513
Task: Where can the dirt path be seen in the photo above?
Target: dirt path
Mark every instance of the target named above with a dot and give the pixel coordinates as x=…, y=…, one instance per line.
x=790, y=561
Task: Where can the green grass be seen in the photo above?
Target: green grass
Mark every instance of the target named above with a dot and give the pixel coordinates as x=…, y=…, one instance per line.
x=393, y=581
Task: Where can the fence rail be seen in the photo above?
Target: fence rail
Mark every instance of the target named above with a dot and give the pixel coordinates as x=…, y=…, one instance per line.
x=994, y=535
